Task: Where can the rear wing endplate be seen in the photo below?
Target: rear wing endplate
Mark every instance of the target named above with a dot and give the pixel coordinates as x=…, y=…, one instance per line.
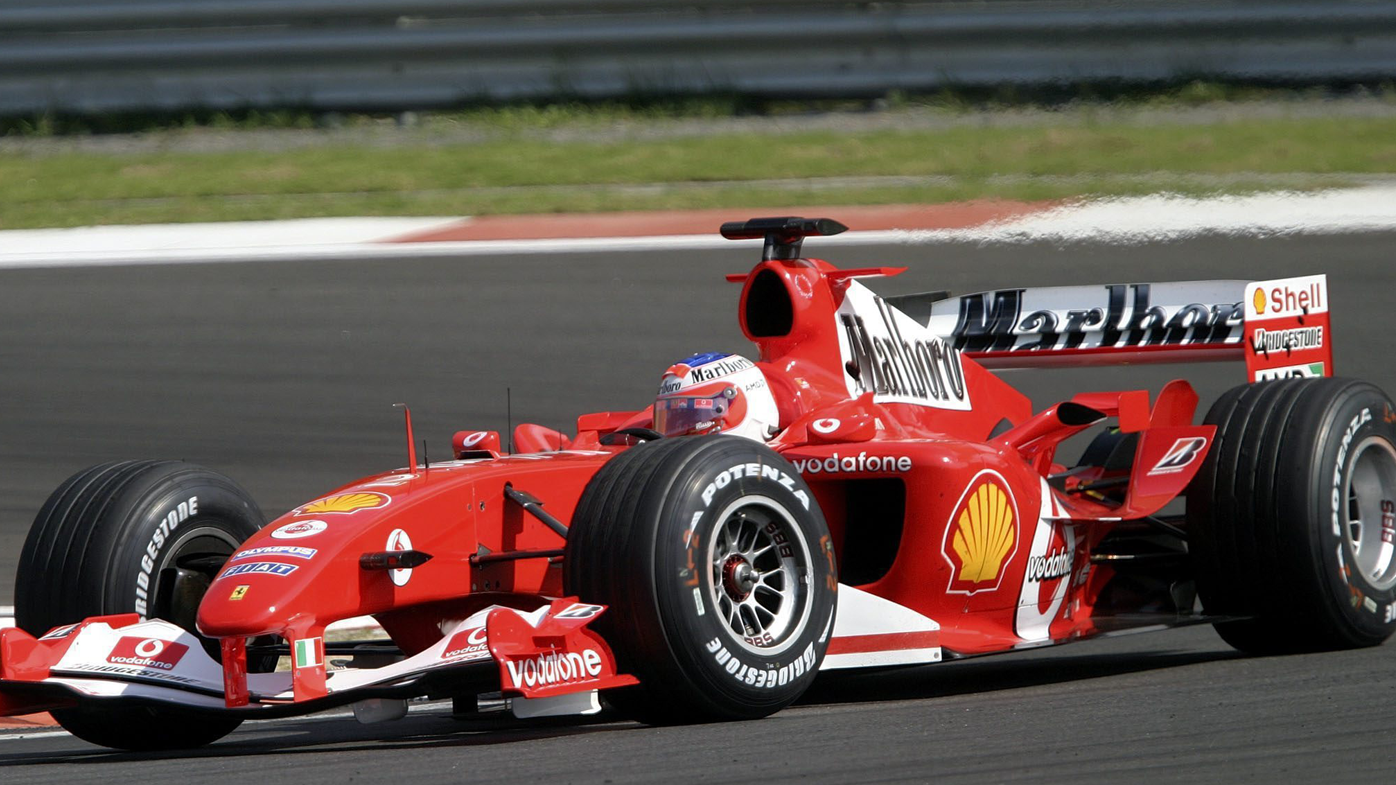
x=1280, y=328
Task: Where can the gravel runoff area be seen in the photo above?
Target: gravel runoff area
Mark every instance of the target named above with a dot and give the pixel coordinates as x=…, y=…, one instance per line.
x=444, y=129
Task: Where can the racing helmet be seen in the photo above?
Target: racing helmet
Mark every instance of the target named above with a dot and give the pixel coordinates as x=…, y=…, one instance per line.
x=716, y=393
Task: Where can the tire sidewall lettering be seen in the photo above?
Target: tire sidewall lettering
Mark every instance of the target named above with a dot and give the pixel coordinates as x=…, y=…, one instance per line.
x=1364, y=605
x=169, y=515
x=718, y=649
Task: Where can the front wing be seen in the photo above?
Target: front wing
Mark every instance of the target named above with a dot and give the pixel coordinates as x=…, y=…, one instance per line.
x=545, y=659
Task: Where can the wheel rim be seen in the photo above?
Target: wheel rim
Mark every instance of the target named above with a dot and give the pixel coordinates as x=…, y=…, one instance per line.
x=1370, y=511
x=760, y=575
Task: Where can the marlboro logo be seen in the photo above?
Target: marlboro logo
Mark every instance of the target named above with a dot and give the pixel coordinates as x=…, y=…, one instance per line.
x=888, y=354
x=1013, y=320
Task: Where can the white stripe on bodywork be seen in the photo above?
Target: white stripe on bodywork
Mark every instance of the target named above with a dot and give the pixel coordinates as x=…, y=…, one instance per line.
x=860, y=613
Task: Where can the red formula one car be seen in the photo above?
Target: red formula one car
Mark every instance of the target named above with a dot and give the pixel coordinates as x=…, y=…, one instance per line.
x=867, y=494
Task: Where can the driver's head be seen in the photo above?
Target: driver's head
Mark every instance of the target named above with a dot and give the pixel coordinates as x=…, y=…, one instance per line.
x=716, y=393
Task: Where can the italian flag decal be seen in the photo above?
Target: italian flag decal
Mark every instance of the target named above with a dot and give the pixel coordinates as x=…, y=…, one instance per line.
x=307, y=653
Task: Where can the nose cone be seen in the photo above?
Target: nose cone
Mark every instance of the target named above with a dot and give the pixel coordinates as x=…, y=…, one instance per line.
x=242, y=605
x=259, y=582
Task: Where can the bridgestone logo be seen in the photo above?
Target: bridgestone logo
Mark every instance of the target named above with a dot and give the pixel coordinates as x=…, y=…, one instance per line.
x=166, y=527
x=1288, y=340
x=768, y=677
x=1057, y=565
x=555, y=668
x=125, y=670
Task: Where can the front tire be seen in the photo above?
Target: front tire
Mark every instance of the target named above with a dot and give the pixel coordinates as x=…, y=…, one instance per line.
x=1292, y=517
x=718, y=569
x=143, y=537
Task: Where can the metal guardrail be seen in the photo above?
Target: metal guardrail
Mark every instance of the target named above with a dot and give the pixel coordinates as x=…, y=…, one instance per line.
x=144, y=55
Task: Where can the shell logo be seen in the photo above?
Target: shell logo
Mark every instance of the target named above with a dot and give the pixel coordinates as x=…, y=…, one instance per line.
x=346, y=502
x=1259, y=300
x=982, y=535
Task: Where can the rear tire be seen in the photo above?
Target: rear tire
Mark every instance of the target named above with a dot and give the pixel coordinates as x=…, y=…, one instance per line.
x=718, y=570
x=143, y=537
x=1292, y=517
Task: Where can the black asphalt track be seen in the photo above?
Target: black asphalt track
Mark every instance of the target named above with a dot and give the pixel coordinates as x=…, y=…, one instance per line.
x=282, y=375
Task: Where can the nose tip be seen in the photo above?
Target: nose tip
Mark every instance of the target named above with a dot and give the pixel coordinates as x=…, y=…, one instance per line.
x=233, y=612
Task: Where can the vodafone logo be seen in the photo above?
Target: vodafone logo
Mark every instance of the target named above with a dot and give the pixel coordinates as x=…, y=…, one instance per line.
x=862, y=462
x=1051, y=562
x=299, y=529
x=399, y=541
x=474, y=438
x=826, y=426
x=1056, y=564
x=468, y=644
x=543, y=670
x=147, y=653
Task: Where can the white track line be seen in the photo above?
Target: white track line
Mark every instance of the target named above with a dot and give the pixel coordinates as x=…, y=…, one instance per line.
x=20, y=734
x=362, y=251
x=1121, y=220
x=1164, y=217
x=196, y=237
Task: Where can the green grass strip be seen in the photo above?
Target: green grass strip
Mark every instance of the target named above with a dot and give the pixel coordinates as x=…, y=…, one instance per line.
x=728, y=170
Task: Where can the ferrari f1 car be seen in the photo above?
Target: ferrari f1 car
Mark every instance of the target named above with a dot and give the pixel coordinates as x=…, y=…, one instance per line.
x=897, y=504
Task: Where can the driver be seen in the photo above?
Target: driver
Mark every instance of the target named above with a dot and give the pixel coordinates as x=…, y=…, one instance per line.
x=716, y=393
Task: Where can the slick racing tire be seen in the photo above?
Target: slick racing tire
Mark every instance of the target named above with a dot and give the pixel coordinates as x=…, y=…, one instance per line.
x=143, y=537
x=1292, y=516
x=717, y=567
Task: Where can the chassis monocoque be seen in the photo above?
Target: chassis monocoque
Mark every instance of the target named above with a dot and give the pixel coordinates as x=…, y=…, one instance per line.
x=911, y=508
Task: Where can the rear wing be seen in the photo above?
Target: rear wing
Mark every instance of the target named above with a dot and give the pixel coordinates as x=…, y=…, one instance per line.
x=1280, y=328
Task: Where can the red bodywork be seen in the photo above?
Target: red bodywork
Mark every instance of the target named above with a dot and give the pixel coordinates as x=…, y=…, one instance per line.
x=942, y=505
